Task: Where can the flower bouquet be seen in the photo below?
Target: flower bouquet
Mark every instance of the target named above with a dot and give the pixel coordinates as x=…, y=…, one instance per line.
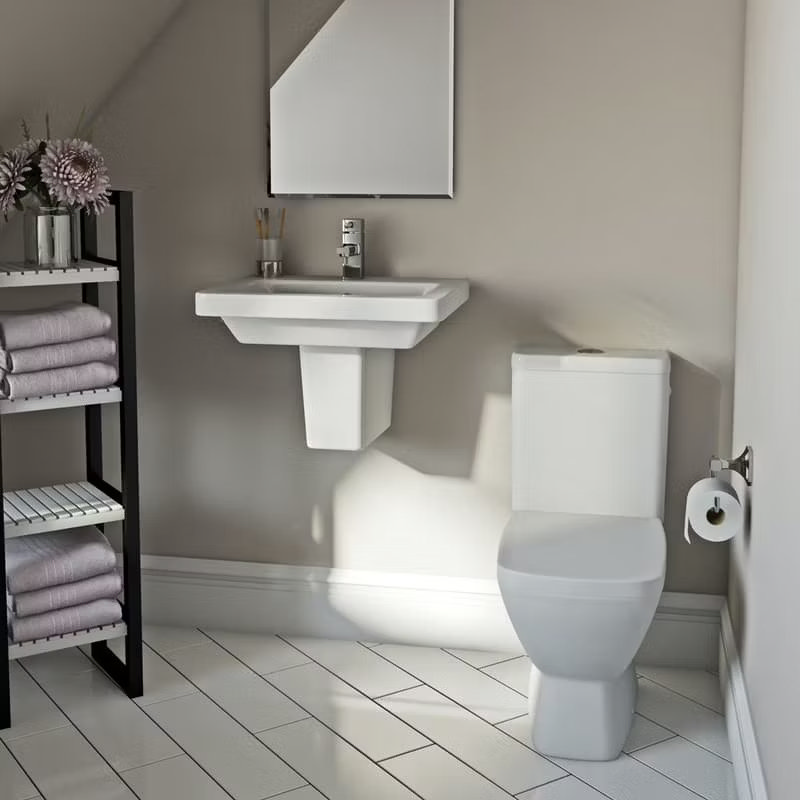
x=50, y=180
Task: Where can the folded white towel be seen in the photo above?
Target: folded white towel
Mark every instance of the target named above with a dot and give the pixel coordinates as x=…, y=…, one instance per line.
x=66, y=322
x=51, y=598
x=65, y=620
x=53, y=356
x=53, y=559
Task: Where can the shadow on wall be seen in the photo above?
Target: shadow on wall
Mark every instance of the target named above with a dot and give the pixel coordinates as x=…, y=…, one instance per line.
x=693, y=439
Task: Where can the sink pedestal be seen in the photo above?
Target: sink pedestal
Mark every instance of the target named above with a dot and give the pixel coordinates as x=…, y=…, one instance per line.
x=347, y=395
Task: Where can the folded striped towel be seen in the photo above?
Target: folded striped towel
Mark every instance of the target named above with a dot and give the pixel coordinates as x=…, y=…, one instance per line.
x=66, y=322
x=51, y=598
x=64, y=620
x=53, y=356
x=53, y=559
x=96, y=375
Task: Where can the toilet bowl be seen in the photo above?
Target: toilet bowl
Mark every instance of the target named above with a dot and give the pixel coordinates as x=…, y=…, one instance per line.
x=581, y=563
x=581, y=591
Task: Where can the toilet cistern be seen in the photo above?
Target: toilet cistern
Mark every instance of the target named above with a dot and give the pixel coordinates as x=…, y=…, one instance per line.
x=351, y=250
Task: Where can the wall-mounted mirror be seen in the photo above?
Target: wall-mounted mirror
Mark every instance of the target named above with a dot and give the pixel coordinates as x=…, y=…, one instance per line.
x=361, y=97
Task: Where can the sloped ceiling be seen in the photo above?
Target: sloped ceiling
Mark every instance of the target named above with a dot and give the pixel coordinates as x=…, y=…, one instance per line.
x=60, y=56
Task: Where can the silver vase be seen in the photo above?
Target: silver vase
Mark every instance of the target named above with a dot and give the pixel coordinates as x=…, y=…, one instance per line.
x=52, y=237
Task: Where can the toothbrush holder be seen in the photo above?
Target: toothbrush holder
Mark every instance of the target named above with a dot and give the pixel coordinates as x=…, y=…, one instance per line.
x=270, y=262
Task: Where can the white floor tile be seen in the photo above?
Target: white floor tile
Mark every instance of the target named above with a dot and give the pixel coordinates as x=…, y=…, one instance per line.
x=690, y=765
x=694, y=722
x=481, y=658
x=644, y=733
x=247, y=697
x=696, y=684
x=65, y=767
x=58, y=663
x=336, y=768
x=491, y=752
x=357, y=665
x=32, y=711
x=116, y=727
x=627, y=779
x=263, y=653
x=14, y=783
x=163, y=638
x=515, y=673
x=479, y=693
x=436, y=775
x=231, y=755
x=352, y=715
x=161, y=681
x=569, y=788
x=174, y=778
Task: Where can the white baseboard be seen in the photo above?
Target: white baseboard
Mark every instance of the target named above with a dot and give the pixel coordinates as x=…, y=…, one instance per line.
x=386, y=607
x=750, y=783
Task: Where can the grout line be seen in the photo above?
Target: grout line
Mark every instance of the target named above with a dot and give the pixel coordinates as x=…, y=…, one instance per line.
x=592, y=786
x=76, y=728
x=653, y=744
x=669, y=777
x=122, y=772
x=399, y=691
x=39, y=792
x=470, y=711
x=262, y=674
x=385, y=658
x=143, y=709
x=546, y=783
x=407, y=752
x=681, y=736
x=510, y=719
x=681, y=694
x=289, y=791
x=480, y=669
x=236, y=721
x=283, y=724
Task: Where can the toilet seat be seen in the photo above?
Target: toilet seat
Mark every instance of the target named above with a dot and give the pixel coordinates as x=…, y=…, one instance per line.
x=582, y=555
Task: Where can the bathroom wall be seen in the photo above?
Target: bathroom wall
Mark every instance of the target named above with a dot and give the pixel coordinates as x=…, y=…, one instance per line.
x=597, y=149
x=765, y=563
x=62, y=57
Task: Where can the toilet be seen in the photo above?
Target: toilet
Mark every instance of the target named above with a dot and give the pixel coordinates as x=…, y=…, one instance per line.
x=581, y=562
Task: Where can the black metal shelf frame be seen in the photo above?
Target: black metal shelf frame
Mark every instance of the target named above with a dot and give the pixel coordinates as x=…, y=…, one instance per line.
x=128, y=673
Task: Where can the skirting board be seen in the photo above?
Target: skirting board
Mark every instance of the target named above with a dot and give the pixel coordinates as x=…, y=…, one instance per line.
x=750, y=782
x=361, y=605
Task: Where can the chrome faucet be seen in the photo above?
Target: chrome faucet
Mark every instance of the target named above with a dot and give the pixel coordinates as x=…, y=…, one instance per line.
x=352, y=249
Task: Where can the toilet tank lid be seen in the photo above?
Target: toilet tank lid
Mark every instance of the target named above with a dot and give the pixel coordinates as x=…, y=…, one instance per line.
x=590, y=359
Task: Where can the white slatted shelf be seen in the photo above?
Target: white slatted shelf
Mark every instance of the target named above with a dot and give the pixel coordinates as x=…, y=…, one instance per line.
x=57, y=508
x=113, y=394
x=77, y=639
x=18, y=274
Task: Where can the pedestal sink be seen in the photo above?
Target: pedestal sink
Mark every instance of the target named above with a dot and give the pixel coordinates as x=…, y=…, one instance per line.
x=347, y=332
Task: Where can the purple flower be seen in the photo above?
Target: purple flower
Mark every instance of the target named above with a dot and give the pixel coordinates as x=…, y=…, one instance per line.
x=75, y=174
x=13, y=166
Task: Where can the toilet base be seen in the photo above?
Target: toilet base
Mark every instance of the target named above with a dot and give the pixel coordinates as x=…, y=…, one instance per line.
x=586, y=720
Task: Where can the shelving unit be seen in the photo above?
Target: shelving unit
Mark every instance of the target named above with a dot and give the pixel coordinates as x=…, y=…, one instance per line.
x=91, y=501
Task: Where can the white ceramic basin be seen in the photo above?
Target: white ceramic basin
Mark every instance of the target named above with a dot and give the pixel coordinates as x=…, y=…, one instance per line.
x=329, y=312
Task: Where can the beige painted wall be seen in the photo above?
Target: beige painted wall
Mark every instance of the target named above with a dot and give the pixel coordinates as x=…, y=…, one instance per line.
x=596, y=196
x=765, y=563
x=62, y=57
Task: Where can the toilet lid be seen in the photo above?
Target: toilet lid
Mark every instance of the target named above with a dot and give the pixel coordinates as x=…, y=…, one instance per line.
x=597, y=554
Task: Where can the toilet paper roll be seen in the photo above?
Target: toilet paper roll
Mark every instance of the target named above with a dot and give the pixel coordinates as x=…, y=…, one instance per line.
x=713, y=511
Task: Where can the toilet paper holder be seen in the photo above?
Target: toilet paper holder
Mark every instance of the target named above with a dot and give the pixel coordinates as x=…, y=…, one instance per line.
x=743, y=464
